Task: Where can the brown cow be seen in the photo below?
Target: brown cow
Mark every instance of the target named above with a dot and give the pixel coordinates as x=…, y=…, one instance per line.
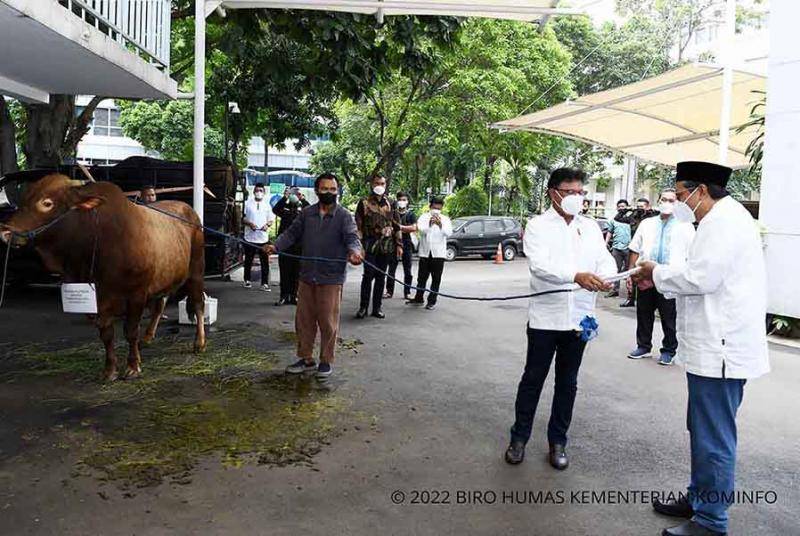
x=141, y=256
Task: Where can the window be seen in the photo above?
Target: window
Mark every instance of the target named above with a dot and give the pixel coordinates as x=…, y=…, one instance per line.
x=495, y=226
x=475, y=227
x=510, y=224
x=106, y=122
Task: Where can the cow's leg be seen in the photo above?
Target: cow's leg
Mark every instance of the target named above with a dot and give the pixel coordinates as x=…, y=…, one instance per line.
x=134, y=318
x=195, y=286
x=156, y=310
x=105, y=325
x=198, y=303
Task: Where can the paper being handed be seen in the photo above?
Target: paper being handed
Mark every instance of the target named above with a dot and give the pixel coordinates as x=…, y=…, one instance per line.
x=621, y=276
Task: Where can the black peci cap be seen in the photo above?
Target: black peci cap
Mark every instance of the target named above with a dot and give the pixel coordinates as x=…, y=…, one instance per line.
x=703, y=172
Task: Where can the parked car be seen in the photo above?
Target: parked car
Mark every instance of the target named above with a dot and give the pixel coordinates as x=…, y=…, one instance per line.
x=479, y=235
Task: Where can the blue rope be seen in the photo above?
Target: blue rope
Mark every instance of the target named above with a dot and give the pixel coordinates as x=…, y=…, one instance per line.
x=244, y=242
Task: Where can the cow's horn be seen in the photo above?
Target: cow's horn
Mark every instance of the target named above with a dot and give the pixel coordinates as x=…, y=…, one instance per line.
x=76, y=183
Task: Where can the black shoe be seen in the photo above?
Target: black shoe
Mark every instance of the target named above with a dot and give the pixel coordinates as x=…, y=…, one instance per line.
x=282, y=301
x=415, y=301
x=612, y=294
x=378, y=314
x=628, y=303
x=558, y=457
x=690, y=528
x=430, y=306
x=362, y=313
x=292, y=300
x=515, y=452
x=676, y=508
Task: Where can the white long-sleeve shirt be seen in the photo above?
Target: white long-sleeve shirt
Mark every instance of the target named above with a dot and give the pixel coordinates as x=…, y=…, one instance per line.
x=722, y=296
x=433, y=239
x=556, y=252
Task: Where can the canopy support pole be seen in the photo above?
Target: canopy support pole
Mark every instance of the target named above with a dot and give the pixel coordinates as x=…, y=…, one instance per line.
x=198, y=166
x=727, y=80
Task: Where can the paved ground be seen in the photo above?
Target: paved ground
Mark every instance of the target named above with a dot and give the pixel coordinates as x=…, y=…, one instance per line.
x=441, y=387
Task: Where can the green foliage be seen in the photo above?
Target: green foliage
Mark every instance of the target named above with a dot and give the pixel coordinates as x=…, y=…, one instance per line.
x=468, y=201
x=672, y=22
x=166, y=127
x=612, y=56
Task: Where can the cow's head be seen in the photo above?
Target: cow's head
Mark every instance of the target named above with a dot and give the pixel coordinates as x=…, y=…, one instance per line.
x=44, y=201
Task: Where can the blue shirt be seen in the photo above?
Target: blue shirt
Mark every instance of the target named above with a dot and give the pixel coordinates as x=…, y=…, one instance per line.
x=620, y=234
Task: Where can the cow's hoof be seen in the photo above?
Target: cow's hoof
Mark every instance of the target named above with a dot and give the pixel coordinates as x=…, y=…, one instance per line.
x=132, y=373
x=110, y=376
x=148, y=338
x=199, y=348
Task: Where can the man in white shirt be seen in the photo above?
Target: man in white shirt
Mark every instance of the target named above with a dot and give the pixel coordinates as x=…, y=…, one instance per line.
x=563, y=248
x=434, y=229
x=665, y=240
x=257, y=220
x=721, y=293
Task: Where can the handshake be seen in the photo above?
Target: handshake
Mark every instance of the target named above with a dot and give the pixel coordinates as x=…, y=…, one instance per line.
x=594, y=283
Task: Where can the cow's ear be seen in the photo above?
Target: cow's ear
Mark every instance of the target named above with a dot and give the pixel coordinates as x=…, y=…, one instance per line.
x=90, y=202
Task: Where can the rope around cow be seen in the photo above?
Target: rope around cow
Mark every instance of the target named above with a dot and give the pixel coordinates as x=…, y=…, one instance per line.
x=30, y=235
x=371, y=265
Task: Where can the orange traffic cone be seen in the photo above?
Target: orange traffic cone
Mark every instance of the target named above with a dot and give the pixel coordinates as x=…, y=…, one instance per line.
x=498, y=257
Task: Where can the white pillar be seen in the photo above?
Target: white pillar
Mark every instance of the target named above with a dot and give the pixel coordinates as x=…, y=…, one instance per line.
x=630, y=174
x=729, y=32
x=199, y=105
x=780, y=196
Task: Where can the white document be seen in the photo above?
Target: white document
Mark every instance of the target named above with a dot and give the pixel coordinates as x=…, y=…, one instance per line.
x=620, y=276
x=79, y=298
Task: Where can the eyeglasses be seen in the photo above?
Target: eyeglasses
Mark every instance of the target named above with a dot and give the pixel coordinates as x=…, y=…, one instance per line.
x=565, y=193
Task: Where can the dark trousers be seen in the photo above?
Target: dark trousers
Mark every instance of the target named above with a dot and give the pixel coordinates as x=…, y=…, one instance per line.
x=711, y=420
x=290, y=274
x=408, y=276
x=647, y=302
x=568, y=348
x=249, y=254
x=621, y=258
x=433, y=268
x=373, y=281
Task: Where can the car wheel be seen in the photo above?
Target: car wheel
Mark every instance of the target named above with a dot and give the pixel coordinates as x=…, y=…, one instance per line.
x=450, y=254
x=509, y=253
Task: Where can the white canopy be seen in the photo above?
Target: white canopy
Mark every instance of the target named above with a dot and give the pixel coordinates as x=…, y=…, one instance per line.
x=665, y=119
x=525, y=10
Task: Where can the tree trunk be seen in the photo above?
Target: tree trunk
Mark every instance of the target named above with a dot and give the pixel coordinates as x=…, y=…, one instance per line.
x=47, y=129
x=8, y=142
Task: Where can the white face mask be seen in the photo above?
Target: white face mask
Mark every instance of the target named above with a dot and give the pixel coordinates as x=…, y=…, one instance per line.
x=572, y=204
x=666, y=207
x=435, y=211
x=259, y=196
x=402, y=204
x=684, y=212
x=379, y=190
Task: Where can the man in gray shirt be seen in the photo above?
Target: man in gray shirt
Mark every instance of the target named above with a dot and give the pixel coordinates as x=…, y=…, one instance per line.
x=325, y=230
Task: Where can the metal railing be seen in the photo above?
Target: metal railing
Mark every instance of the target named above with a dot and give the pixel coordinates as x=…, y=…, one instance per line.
x=141, y=26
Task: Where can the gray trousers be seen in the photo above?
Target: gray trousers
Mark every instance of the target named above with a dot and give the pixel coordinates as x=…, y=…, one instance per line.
x=621, y=258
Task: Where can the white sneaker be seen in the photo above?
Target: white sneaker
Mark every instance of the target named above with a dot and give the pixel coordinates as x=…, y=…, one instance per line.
x=266, y=288
x=247, y=284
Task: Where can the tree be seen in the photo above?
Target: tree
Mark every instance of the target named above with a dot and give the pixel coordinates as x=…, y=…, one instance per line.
x=167, y=127
x=674, y=22
x=468, y=201
x=431, y=127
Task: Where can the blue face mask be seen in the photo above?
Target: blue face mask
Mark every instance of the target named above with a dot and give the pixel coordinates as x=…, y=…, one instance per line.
x=589, y=328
